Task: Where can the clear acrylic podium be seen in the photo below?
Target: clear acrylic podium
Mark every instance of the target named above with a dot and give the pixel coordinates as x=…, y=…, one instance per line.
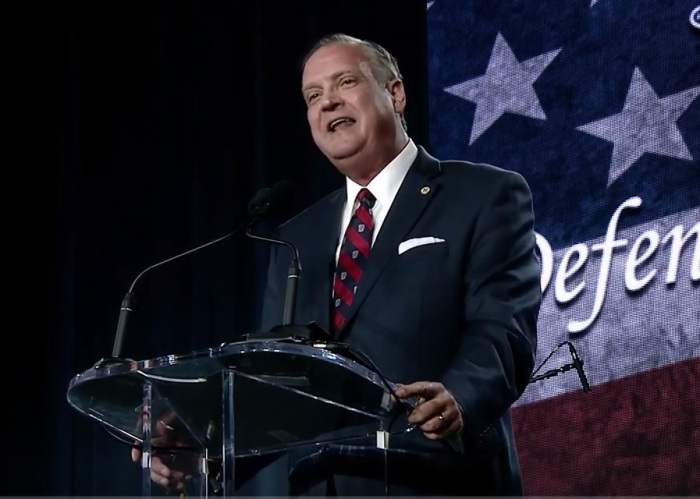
x=203, y=412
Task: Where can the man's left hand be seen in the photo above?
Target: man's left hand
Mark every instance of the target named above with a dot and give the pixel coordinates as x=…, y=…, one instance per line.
x=437, y=413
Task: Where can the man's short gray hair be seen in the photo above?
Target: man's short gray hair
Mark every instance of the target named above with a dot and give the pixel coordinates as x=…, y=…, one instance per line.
x=384, y=66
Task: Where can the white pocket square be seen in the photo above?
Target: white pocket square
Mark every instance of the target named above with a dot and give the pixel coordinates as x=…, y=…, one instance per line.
x=418, y=241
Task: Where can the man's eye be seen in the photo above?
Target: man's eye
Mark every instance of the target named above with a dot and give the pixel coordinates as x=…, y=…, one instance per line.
x=311, y=97
x=347, y=81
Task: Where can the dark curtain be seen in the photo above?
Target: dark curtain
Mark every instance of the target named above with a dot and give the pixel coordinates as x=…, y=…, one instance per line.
x=171, y=115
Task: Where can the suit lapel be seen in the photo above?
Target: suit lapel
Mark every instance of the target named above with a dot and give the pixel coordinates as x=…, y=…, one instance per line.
x=416, y=191
x=320, y=259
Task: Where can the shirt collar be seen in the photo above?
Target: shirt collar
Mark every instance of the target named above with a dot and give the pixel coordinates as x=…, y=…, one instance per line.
x=386, y=184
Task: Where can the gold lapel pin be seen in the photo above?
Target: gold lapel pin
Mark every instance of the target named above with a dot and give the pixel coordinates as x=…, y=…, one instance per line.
x=425, y=190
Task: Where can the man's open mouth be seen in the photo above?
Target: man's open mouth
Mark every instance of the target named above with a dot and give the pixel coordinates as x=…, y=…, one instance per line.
x=340, y=123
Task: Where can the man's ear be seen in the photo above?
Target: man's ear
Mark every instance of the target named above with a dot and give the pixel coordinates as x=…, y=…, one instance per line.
x=398, y=95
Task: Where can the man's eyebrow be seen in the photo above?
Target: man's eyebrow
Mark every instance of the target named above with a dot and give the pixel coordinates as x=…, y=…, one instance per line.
x=334, y=76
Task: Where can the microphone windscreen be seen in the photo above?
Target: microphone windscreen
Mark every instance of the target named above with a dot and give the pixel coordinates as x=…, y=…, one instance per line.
x=270, y=199
x=258, y=200
x=281, y=194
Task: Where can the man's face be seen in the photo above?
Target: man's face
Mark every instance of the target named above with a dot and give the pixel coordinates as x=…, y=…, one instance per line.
x=348, y=111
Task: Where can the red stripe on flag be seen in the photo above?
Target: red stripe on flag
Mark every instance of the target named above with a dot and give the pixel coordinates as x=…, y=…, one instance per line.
x=634, y=436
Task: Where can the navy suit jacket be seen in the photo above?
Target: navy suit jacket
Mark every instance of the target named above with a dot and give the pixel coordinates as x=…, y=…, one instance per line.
x=462, y=312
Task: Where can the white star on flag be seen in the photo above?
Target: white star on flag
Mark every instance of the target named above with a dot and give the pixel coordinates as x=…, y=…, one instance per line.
x=646, y=123
x=506, y=86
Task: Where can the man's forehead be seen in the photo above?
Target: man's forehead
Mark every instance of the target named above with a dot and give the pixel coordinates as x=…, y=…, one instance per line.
x=338, y=51
x=315, y=72
x=330, y=74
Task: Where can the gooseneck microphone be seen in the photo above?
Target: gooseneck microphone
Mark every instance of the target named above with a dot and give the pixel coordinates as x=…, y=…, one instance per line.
x=281, y=193
x=264, y=203
x=293, y=276
x=576, y=364
x=126, y=309
x=288, y=328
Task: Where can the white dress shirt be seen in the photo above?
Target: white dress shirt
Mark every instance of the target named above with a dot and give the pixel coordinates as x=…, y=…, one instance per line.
x=384, y=188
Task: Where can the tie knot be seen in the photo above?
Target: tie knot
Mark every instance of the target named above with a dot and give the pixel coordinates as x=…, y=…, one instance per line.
x=366, y=198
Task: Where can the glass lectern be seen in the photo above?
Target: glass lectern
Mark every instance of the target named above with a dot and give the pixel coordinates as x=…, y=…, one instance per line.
x=204, y=412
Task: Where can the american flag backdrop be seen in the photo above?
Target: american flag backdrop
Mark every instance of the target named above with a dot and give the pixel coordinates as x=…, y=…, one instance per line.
x=597, y=104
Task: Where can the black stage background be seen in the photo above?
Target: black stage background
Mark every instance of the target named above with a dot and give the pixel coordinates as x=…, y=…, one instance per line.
x=171, y=116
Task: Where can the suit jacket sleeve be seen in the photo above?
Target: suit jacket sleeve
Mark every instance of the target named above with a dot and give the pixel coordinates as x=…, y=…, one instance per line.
x=495, y=354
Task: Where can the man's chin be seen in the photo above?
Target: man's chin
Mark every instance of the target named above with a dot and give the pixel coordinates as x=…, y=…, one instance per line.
x=342, y=154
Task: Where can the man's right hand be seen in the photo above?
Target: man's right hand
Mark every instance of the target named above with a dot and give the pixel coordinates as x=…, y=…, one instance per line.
x=172, y=479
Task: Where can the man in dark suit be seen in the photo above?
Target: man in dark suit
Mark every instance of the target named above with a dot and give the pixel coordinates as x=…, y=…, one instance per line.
x=426, y=266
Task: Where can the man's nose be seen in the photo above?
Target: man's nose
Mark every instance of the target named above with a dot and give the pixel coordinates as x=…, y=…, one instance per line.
x=331, y=101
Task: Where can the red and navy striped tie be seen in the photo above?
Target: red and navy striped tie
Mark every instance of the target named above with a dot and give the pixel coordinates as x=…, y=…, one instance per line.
x=352, y=258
